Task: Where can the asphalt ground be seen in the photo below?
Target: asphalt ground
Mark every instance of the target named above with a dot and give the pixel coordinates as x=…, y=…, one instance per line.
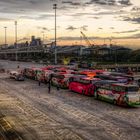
x=34, y=114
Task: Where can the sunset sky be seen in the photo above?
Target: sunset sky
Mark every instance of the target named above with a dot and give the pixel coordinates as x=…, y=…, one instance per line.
x=98, y=19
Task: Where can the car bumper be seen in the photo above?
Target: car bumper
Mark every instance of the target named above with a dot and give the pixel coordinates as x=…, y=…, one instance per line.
x=134, y=104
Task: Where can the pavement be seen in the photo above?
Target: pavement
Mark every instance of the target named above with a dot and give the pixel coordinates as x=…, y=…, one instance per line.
x=34, y=114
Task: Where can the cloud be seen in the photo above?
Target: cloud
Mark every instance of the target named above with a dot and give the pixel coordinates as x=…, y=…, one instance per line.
x=25, y=8
x=71, y=38
x=99, y=14
x=5, y=19
x=129, y=31
x=46, y=16
x=71, y=28
x=112, y=28
x=135, y=9
x=135, y=20
x=43, y=28
x=96, y=17
x=136, y=36
x=38, y=17
x=84, y=27
x=28, y=6
x=110, y=2
x=71, y=3
x=124, y=2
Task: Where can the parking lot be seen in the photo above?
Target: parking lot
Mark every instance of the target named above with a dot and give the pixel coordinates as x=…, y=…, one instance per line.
x=35, y=114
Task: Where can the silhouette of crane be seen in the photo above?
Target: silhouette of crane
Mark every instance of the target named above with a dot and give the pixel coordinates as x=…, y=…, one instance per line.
x=87, y=40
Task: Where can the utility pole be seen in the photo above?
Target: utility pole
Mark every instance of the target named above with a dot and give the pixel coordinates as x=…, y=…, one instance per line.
x=16, y=40
x=55, y=7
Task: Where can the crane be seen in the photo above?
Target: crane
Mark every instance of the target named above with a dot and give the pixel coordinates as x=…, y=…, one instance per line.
x=86, y=39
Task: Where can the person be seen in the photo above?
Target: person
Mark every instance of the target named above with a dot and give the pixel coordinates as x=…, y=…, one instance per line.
x=49, y=87
x=39, y=79
x=49, y=83
x=58, y=87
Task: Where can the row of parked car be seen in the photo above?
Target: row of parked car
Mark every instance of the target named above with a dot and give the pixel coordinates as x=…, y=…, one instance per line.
x=117, y=88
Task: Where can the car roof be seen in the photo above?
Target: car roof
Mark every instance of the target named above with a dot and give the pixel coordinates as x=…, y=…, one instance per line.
x=90, y=78
x=105, y=81
x=126, y=85
x=14, y=72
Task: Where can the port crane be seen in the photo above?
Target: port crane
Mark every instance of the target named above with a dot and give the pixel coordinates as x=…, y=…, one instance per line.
x=95, y=49
x=87, y=40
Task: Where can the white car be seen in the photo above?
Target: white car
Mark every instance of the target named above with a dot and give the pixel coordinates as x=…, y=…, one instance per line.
x=16, y=75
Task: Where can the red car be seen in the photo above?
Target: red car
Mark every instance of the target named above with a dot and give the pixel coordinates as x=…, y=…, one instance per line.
x=64, y=70
x=82, y=85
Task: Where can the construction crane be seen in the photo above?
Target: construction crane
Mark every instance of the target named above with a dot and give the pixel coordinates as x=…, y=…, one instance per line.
x=86, y=39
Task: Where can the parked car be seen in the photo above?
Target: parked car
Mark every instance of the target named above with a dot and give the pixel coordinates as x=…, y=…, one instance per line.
x=82, y=85
x=61, y=80
x=43, y=75
x=119, y=94
x=31, y=72
x=120, y=79
x=17, y=76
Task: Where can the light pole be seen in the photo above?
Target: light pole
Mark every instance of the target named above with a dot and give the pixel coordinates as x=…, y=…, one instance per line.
x=55, y=7
x=5, y=36
x=43, y=37
x=16, y=40
x=5, y=28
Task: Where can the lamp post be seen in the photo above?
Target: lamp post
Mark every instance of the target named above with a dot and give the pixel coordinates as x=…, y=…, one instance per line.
x=116, y=54
x=43, y=37
x=55, y=7
x=5, y=36
x=5, y=29
x=16, y=40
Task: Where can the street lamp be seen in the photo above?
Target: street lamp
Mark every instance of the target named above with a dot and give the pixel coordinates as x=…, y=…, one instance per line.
x=55, y=7
x=43, y=36
x=5, y=36
x=5, y=39
x=115, y=49
x=16, y=40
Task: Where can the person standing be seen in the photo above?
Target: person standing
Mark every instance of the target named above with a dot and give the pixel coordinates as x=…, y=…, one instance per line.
x=39, y=82
x=49, y=83
x=58, y=86
x=39, y=78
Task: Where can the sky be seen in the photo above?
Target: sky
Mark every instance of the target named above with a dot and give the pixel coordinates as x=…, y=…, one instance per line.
x=101, y=21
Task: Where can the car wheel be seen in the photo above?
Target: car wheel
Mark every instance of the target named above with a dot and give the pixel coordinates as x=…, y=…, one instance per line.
x=125, y=100
x=70, y=89
x=83, y=92
x=115, y=102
